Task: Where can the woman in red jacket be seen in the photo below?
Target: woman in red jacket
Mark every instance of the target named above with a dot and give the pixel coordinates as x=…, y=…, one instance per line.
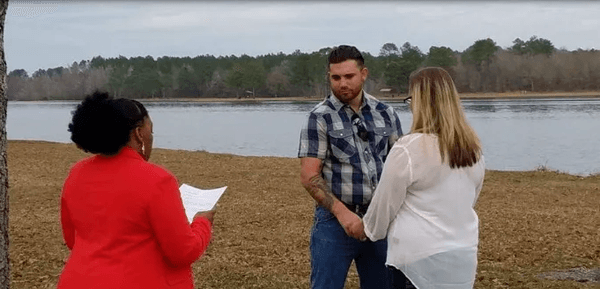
x=122, y=217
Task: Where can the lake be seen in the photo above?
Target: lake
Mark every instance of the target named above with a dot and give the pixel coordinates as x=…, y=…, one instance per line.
x=559, y=134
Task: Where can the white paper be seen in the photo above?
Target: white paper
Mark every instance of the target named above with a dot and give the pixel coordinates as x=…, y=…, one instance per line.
x=197, y=200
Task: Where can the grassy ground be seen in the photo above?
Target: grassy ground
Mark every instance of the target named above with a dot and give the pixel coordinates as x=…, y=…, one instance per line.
x=531, y=222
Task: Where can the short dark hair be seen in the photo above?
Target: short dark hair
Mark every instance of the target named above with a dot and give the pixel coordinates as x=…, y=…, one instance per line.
x=342, y=53
x=102, y=124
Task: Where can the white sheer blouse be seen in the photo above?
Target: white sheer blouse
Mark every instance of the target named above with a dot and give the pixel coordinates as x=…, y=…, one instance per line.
x=425, y=209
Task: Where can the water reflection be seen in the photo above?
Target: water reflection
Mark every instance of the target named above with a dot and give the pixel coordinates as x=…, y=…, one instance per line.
x=480, y=107
x=28, y=105
x=516, y=134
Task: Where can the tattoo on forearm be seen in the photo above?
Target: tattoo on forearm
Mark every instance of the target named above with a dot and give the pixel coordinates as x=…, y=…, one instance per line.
x=320, y=192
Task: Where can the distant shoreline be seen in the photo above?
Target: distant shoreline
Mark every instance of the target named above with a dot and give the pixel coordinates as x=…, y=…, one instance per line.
x=531, y=95
x=466, y=96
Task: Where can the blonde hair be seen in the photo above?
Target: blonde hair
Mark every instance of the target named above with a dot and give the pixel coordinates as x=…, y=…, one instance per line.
x=437, y=110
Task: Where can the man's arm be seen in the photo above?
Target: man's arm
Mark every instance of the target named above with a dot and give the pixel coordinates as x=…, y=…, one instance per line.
x=310, y=176
x=313, y=182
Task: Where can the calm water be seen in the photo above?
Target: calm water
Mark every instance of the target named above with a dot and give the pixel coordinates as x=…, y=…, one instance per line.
x=516, y=134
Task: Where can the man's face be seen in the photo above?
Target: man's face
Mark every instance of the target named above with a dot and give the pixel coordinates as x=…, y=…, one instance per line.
x=346, y=79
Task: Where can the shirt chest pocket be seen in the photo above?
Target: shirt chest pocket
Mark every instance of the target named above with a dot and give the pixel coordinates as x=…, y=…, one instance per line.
x=382, y=135
x=342, y=143
x=383, y=132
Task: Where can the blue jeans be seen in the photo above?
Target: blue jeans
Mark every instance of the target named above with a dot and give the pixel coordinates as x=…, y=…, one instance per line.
x=332, y=252
x=398, y=280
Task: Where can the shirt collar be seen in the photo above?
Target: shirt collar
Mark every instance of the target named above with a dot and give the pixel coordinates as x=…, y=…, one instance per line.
x=126, y=152
x=337, y=104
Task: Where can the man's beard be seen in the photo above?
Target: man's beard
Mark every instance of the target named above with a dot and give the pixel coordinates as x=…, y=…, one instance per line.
x=346, y=94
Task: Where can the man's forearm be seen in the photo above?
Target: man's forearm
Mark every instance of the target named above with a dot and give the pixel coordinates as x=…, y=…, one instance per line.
x=318, y=189
x=350, y=222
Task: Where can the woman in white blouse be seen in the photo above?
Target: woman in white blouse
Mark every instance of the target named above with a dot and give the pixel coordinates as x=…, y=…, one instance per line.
x=428, y=188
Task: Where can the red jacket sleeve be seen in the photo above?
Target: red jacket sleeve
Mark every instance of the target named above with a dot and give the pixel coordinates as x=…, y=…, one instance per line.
x=180, y=243
x=68, y=229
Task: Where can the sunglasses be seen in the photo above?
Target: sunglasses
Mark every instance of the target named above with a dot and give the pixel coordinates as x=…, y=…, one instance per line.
x=362, y=130
x=408, y=100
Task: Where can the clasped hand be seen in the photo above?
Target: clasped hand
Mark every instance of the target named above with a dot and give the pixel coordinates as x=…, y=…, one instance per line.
x=353, y=225
x=206, y=214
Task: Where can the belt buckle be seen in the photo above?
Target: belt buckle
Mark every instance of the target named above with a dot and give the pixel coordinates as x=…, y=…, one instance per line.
x=358, y=211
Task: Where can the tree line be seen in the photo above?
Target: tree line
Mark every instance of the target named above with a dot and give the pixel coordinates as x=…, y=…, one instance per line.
x=534, y=65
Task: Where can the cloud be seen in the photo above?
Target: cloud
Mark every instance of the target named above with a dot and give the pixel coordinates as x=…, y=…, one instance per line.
x=78, y=30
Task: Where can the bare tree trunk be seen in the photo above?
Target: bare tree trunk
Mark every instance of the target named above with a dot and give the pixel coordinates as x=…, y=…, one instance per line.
x=4, y=264
x=531, y=80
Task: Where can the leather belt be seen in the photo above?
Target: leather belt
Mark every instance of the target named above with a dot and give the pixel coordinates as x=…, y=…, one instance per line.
x=360, y=210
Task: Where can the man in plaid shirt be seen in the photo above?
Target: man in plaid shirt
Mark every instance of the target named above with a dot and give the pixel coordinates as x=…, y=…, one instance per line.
x=343, y=147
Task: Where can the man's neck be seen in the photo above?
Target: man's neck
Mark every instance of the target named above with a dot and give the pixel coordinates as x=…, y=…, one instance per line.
x=356, y=102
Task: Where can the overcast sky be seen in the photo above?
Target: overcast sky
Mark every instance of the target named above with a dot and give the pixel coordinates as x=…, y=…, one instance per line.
x=48, y=34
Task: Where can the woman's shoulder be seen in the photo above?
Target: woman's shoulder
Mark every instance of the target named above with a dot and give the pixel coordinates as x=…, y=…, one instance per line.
x=155, y=171
x=153, y=178
x=422, y=148
x=80, y=164
x=416, y=139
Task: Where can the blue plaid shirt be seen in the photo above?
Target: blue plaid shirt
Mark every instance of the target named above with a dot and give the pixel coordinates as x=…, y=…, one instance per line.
x=352, y=167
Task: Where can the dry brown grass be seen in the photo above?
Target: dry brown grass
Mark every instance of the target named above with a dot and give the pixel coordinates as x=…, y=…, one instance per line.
x=531, y=222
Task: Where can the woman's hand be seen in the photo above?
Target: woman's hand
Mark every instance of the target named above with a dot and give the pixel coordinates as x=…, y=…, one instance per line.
x=352, y=224
x=206, y=214
x=363, y=236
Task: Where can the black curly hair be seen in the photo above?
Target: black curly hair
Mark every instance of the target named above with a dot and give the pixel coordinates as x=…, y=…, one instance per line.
x=102, y=124
x=342, y=53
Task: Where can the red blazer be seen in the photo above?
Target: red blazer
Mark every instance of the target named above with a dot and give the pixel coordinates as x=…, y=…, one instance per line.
x=124, y=222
